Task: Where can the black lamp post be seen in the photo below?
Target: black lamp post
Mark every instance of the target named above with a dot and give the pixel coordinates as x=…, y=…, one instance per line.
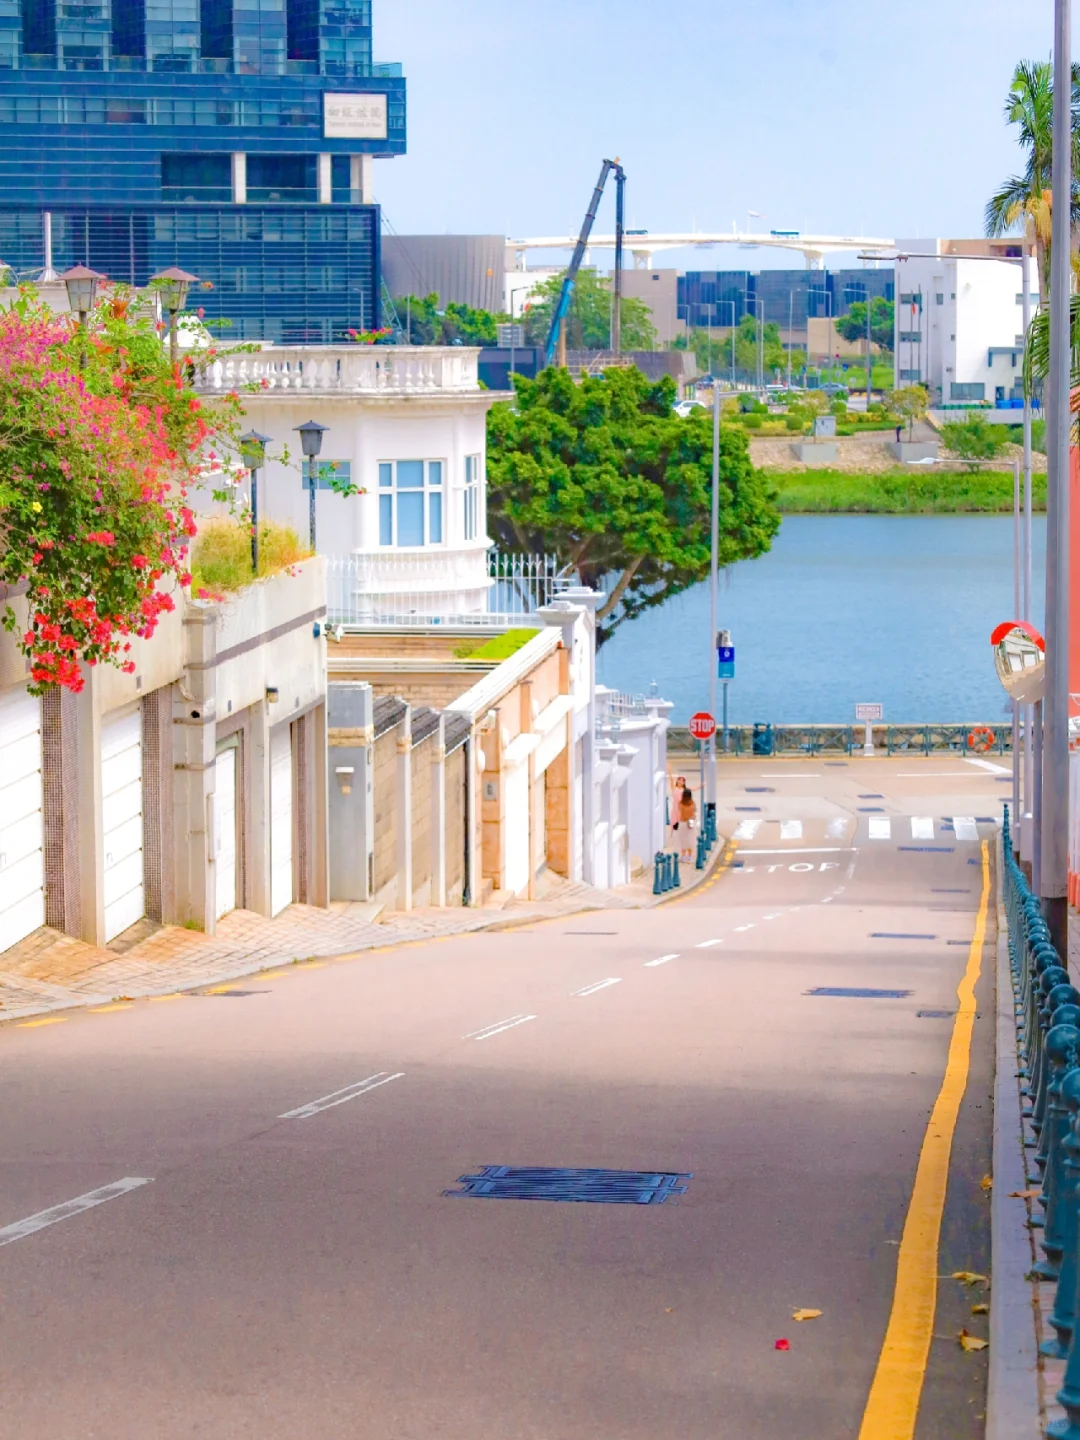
x=173, y=284
x=253, y=448
x=311, y=435
x=81, y=284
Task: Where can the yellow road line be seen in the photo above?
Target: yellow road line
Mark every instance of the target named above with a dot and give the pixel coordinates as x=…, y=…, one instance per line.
x=893, y=1405
x=108, y=1009
x=36, y=1024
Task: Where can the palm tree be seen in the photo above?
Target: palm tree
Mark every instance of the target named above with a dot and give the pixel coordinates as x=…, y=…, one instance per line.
x=1025, y=198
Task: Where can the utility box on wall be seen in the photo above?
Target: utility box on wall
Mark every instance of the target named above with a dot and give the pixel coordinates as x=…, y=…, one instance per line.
x=352, y=795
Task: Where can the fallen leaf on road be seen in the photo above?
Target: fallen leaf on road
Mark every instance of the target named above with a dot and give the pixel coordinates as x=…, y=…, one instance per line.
x=968, y=1277
x=986, y=1182
x=980, y=1309
x=971, y=1342
x=1024, y=1194
x=782, y=1345
x=805, y=1314
x=669, y=1310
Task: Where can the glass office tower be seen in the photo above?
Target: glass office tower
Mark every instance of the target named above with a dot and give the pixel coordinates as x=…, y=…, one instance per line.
x=234, y=138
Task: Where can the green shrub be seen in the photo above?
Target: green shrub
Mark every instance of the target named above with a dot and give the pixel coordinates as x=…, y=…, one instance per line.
x=499, y=647
x=753, y=422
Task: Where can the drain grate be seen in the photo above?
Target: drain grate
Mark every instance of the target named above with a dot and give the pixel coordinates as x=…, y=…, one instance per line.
x=755, y=808
x=931, y=849
x=934, y=1014
x=759, y=790
x=232, y=994
x=596, y=1187
x=898, y=935
x=950, y=890
x=871, y=810
x=871, y=795
x=854, y=993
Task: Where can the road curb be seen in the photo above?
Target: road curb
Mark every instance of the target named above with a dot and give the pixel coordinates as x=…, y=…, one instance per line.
x=1013, y=1388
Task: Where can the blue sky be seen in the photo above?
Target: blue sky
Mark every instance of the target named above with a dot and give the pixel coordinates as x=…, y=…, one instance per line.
x=833, y=116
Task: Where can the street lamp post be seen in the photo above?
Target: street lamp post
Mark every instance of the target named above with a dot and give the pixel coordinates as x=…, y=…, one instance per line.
x=311, y=433
x=81, y=284
x=1055, y=788
x=714, y=577
x=174, y=284
x=253, y=448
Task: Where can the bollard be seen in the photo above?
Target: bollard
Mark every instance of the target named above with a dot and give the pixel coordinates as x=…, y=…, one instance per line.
x=657, y=887
x=699, y=863
x=676, y=877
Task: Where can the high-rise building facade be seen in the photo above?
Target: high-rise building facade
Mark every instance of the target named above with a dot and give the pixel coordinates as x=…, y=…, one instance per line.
x=234, y=138
x=788, y=298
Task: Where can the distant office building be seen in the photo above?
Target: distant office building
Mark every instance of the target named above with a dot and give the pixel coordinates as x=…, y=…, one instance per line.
x=959, y=323
x=788, y=298
x=659, y=289
x=460, y=269
x=234, y=138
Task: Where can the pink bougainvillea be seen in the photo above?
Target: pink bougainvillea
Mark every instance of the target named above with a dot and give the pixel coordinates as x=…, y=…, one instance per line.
x=99, y=437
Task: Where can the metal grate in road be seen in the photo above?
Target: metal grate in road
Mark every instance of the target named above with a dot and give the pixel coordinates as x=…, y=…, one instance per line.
x=934, y=1014
x=844, y=992
x=898, y=935
x=596, y=1187
x=932, y=849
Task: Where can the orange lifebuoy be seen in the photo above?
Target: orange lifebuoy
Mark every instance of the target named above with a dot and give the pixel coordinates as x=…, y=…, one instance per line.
x=981, y=739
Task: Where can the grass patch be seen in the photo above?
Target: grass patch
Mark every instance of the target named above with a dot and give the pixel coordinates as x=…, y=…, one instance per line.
x=499, y=647
x=221, y=555
x=899, y=492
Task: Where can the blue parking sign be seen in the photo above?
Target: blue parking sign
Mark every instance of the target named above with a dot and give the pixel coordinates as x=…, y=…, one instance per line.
x=725, y=662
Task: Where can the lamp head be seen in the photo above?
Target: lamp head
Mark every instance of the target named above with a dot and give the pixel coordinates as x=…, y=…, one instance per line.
x=311, y=433
x=81, y=285
x=253, y=448
x=173, y=284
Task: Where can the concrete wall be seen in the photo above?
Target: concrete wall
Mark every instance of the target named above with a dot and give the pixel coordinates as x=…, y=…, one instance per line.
x=455, y=825
x=660, y=291
x=385, y=784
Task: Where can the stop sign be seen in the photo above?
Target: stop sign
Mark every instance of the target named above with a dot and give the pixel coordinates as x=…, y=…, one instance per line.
x=702, y=725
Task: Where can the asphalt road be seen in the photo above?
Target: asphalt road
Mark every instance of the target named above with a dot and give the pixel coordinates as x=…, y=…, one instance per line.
x=289, y=1275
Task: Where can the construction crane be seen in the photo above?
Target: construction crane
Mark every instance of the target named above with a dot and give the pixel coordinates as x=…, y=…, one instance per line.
x=556, y=340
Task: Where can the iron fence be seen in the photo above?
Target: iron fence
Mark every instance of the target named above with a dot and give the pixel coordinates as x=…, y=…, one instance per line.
x=762, y=739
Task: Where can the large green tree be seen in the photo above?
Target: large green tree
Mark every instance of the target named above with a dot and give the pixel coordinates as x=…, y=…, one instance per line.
x=588, y=321
x=1024, y=199
x=852, y=326
x=604, y=475
x=426, y=322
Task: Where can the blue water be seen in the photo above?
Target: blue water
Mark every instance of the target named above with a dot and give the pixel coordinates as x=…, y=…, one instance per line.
x=844, y=608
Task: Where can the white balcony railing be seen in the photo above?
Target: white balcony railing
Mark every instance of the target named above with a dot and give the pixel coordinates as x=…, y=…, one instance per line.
x=346, y=369
x=447, y=586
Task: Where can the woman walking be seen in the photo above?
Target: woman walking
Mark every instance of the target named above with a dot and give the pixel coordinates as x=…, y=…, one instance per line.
x=685, y=820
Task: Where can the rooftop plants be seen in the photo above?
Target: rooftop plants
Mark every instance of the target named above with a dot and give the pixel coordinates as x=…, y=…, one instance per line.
x=100, y=436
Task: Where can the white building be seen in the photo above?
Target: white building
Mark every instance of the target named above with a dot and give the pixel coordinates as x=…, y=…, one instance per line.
x=407, y=425
x=959, y=325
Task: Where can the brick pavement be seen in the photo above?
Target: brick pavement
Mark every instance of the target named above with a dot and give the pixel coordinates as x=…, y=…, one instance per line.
x=49, y=971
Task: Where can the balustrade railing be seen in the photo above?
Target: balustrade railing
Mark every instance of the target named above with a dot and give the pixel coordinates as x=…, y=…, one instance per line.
x=344, y=369
x=448, y=587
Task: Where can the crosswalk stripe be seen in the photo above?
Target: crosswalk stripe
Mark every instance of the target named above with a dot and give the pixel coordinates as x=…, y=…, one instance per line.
x=922, y=827
x=747, y=829
x=880, y=827
x=790, y=829
x=965, y=828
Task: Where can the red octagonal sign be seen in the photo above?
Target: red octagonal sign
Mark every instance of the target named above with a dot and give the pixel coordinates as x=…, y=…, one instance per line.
x=702, y=725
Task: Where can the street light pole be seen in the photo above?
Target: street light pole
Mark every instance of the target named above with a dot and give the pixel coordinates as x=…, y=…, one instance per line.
x=253, y=448
x=1055, y=788
x=311, y=434
x=714, y=577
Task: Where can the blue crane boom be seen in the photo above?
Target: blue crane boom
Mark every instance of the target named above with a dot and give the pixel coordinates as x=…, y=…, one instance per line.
x=566, y=293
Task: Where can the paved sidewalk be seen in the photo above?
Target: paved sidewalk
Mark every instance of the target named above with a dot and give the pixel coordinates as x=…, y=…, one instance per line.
x=49, y=971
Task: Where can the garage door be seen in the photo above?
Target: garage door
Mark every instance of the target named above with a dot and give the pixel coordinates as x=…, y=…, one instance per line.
x=225, y=830
x=122, y=822
x=22, y=871
x=516, y=821
x=281, y=819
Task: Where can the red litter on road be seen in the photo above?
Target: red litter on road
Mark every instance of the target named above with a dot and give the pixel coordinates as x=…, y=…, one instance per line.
x=782, y=1345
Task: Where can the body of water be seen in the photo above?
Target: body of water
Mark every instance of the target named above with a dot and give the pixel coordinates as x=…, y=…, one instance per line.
x=844, y=608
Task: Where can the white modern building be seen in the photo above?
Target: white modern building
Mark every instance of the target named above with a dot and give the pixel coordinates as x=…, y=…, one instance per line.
x=959, y=323
x=407, y=426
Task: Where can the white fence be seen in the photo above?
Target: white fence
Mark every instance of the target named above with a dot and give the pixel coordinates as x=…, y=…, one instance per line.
x=470, y=589
x=334, y=369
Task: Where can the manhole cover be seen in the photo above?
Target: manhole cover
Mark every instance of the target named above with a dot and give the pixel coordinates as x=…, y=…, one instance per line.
x=597, y=1187
x=853, y=993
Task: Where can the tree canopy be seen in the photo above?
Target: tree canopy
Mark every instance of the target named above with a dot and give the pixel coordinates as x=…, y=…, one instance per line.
x=852, y=326
x=588, y=322
x=426, y=322
x=608, y=478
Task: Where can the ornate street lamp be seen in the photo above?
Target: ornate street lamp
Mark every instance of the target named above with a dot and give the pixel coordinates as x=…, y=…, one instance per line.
x=311, y=435
x=81, y=285
x=173, y=284
x=253, y=448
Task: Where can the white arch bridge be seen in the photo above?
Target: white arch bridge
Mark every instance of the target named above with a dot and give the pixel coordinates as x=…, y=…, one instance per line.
x=643, y=244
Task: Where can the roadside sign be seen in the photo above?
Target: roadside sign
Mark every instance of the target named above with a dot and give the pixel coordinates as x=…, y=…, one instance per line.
x=702, y=725
x=725, y=662
x=869, y=712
